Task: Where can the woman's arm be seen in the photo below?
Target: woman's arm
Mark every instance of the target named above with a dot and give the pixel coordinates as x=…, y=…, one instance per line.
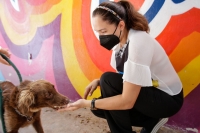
x=91, y=88
x=119, y=102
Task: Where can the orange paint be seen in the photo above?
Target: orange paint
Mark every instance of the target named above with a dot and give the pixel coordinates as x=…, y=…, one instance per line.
x=137, y=3
x=86, y=65
x=179, y=27
x=186, y=51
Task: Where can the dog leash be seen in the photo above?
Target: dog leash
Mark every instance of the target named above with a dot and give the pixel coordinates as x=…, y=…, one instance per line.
x=1, y=93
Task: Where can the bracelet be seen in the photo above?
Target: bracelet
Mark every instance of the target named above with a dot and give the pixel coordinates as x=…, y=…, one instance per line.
x=93, y=104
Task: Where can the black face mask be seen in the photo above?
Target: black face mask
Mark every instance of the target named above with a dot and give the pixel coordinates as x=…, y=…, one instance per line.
x=109, y=41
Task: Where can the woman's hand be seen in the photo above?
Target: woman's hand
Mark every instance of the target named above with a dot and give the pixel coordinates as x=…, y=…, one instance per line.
x=6, y=53
x=91, y=88
x=81, y=103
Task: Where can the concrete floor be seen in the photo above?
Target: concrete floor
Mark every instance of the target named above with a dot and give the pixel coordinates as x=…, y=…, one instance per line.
x=79, y=121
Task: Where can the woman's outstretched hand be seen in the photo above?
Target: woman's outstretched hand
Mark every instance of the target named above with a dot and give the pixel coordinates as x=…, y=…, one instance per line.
x=6, y=53
x=81, y=103
x=91, y=88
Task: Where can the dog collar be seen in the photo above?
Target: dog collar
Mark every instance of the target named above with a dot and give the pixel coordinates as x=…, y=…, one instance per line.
x=29, y=118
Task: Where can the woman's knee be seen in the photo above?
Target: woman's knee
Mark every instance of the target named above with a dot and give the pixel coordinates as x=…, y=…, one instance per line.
x=105, y=79
x=110, y=77
x=111, y=84
x=105, y=76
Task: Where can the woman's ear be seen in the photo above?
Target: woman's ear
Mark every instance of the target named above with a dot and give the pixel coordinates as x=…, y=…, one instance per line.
x=121, y=25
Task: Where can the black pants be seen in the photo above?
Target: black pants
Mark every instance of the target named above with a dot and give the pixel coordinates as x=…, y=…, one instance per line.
x=151, y=105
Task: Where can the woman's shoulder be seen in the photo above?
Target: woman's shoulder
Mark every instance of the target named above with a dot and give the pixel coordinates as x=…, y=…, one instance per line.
x=136, y=33
x=139, y=36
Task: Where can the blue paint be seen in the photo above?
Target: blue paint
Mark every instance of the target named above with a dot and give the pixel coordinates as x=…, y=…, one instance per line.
x=1, y=76
x=101, y=1
x=177, y=1
x=154, y=9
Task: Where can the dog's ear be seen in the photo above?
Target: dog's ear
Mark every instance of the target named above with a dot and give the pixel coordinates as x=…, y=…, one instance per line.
x=25, y=100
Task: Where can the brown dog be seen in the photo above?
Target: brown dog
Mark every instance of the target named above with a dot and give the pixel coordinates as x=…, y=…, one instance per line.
x=23, y=103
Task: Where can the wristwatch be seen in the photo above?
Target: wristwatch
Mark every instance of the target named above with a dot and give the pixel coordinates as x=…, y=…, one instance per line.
x=93, y=104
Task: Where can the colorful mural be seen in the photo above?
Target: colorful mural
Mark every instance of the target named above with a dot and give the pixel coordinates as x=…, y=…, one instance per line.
x=54, y=40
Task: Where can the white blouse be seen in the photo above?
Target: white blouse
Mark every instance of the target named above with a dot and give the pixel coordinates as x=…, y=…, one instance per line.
x=147, y=60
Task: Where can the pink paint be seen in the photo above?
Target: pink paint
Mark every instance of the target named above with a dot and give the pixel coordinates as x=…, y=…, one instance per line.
x=38, y=63
x=42, y=62
x=36, y=2
x=2, y=42
x=18, y=16
x=49, y=73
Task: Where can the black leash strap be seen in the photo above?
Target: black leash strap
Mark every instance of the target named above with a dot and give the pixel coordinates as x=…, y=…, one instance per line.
x=1, y=93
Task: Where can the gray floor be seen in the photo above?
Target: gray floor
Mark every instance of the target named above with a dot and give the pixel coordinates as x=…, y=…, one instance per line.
x=79, y=121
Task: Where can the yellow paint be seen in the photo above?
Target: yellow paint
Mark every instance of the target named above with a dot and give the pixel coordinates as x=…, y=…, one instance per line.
x=190, y=75
x=186, y=61
x=76, y=76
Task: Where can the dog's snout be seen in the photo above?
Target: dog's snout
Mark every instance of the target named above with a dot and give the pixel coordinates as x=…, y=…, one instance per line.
x=66, y=101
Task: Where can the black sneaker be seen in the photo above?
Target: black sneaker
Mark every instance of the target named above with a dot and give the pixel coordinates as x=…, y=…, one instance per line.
x=156, y=127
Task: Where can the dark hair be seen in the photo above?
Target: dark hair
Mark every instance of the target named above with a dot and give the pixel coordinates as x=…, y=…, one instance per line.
x=126, y=12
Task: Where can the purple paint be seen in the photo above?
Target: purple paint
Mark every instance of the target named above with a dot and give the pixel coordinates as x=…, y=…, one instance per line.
x=189, y=115
x=63, y=83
